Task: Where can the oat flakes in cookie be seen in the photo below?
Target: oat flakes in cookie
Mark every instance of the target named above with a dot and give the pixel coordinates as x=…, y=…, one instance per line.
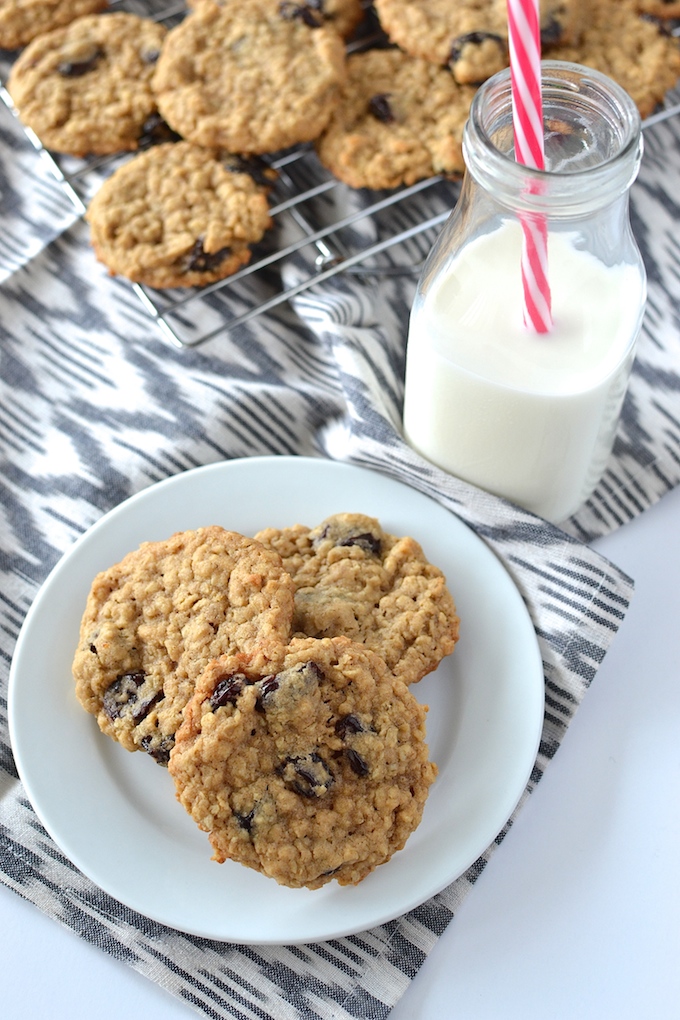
x=85, y=89
x=342, y=15
x=470, y=36
x=178, y=216
x=354, y=579
x=400, y=119
x=317, y=772
x=155, y=620
x=249, y=78
x=22, y=20
x=627, y=47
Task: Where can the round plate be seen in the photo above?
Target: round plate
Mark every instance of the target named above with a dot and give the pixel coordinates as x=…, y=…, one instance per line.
x=114, y=814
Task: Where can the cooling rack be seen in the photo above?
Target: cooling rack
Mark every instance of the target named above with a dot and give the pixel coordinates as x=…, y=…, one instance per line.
x=321, y=227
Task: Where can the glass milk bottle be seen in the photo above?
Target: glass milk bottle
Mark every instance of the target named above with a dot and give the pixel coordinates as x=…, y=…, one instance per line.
x=526, y=415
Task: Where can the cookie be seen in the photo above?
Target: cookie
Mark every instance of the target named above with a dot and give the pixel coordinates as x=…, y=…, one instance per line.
x=178, y=216
x=627, y=47
x=317, y=772
x=342, y=15
x=400, y=119
x=469, y=36
x=22, y=20
x=659, y=8
x=155, y=620
x=85, y=89
x=354, y=579
x=249, y=78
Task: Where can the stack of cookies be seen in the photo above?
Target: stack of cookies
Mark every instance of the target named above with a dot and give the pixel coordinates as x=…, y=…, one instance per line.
x=238, y=80
x=271, y=675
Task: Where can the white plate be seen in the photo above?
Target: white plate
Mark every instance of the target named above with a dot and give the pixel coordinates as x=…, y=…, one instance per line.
x=114, y=814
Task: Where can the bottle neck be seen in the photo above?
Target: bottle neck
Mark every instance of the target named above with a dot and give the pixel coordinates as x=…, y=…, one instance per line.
x=593, y=143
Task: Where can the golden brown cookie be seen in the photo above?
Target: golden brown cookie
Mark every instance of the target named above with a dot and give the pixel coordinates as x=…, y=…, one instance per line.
x=249, y=78
x=85, y=89
x=400, y=119
x=178, y=216
x=317, y=772
x=629, y=48
x=155, y=620
x=342, y=15
x=22, y=20
x=470, y=36
x=354, y=579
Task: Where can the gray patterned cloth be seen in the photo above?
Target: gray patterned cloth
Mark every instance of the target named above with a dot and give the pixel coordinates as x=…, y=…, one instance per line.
x=95, y=405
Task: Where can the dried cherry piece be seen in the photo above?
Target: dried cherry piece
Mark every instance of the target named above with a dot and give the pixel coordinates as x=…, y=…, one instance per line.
x=379, y=106
x=366, y=540
x=289, y=10
x=201, y=261
x=76, y=68
x=307, y=774
x=123, y=692
x=158, y=747
x=348, y=724
x=227, y=690
x=357, y=764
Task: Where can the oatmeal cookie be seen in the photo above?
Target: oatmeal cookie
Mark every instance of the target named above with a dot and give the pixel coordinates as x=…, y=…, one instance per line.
x=342, y=15
x=317, y=772
x=628, y=48
x=355, y=580
x=85, y=89
x=178, y=216
x=249, y=78
x=400, y=119
x=155, y=620
x=469, y=36
x=659, y=8
x=22, y=20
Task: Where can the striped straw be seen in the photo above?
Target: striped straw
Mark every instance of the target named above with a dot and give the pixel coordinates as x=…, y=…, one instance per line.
x=524, y=39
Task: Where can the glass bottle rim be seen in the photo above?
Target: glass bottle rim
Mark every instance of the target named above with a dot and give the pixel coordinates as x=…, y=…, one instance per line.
x=573, y=86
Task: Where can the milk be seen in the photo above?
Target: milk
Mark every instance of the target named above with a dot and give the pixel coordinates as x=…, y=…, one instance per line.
x=528, y=416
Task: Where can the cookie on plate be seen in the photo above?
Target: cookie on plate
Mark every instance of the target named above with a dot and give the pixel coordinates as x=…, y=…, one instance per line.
x=317, y=772
x=22, y=20
x=469, y=36
x=85, y=89
x=354, y=579
x=400, y=119
x=627, y=47
x=249, y=78
x=155, y=620
x=178, y=216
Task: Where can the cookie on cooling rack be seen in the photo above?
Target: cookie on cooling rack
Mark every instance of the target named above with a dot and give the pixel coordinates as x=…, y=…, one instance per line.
x=400, y=119
x=178, y=216
x=342, y=15
x=155, y=620
x=354, y=579
x=249, y=77
x=316, y=772
x=22, y=20
x=469, y=36
x=85, y=89
x=660, y=8
x=627, y=47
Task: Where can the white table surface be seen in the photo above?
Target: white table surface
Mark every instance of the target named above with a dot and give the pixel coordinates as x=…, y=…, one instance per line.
x=577, y=916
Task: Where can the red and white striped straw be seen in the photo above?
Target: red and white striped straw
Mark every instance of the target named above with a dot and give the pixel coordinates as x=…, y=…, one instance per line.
x=524, y=37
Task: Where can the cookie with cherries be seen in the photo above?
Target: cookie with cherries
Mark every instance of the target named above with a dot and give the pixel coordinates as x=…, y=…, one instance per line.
x=154, y=621
x=85, y=88
x=352, y=578
x=317, y=772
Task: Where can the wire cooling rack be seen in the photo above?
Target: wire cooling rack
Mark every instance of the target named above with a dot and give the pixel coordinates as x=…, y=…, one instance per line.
x=321, y=227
